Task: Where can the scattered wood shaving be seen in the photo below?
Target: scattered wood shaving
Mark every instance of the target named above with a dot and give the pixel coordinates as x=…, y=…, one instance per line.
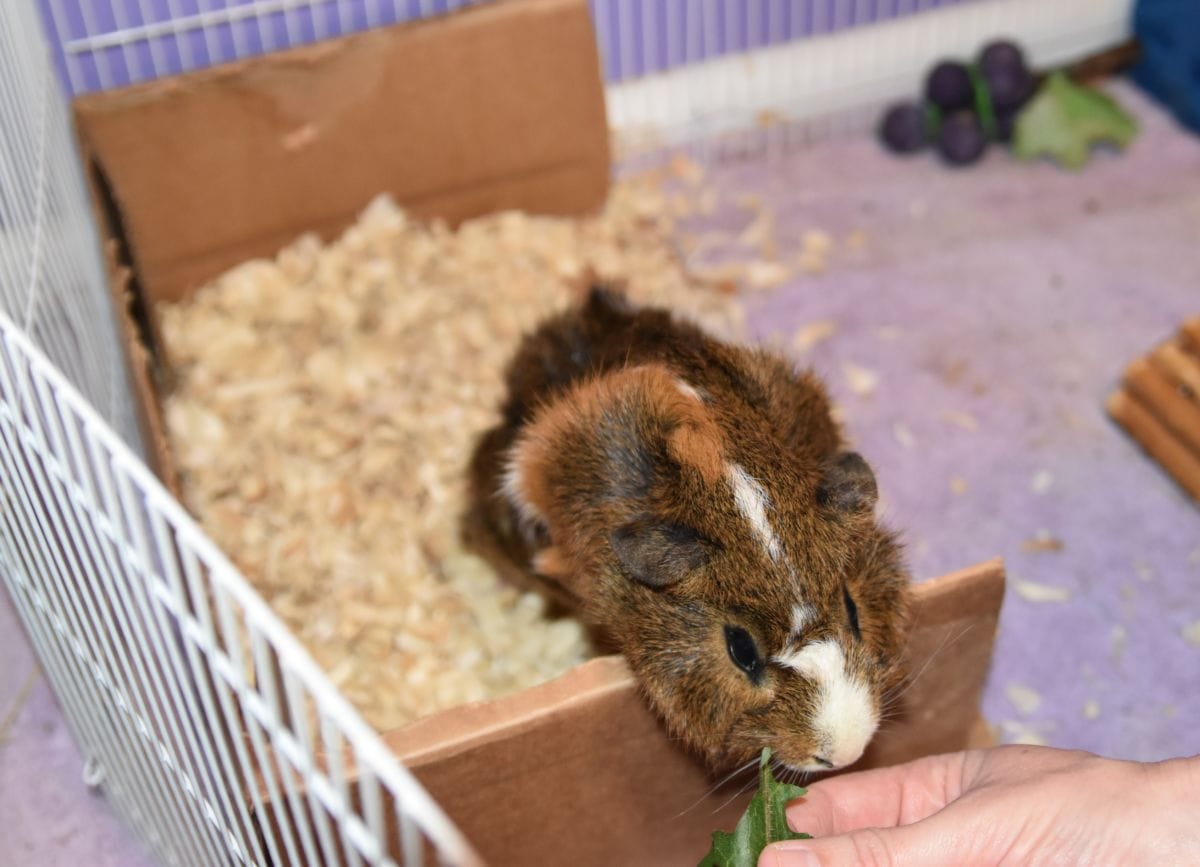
x=1025, y=699
x=328, y=401
x=1041, y=593
x=856, y=240
x=759, y=234
x=1041, y=543
x=862, y=380
x=1091, y=709
x=1193, y=557
x=1041, y=482
x=813, y=255
x=686, y=169
x=1191, y=634
x=958, y=485
x=1144, y=571
x=763, y=274
x=810, y=263
x=1017, y=732
x=903, y=435
x=816, y=241
x=726, y=274
x=809, y=335
x=964, y=420
x=1118, y=638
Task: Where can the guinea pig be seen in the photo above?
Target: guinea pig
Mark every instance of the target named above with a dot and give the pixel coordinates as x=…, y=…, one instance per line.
x=695, y=502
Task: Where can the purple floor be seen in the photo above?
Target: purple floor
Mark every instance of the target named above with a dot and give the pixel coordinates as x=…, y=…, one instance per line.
x=995, y=307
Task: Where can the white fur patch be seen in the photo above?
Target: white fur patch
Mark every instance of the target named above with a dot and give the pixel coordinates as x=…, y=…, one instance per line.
x=688, y=390
x=752, y=502
x=845, y=718
x=512, y=486
x=802, y=615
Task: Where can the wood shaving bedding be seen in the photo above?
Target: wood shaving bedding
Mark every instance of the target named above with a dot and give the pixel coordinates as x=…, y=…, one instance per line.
x=326, y=406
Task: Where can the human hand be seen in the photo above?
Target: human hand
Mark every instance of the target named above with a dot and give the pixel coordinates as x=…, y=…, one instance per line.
x=1006, y=805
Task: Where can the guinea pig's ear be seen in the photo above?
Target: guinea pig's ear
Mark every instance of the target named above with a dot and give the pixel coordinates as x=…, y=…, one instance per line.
x=847, y=484
x=659, y=553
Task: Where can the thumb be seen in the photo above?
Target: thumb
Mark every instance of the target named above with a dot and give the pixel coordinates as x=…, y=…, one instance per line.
x=927, y=844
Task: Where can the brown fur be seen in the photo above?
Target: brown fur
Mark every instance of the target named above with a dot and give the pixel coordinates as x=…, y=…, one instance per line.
x=621, y=475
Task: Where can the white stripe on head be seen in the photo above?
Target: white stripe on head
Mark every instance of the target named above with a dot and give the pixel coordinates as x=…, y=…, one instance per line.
x=845, y=717
x=802, y=615
x=752, y=502
x=688, y=390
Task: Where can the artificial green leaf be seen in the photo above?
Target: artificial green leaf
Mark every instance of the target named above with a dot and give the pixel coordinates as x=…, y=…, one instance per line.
x=1064, y=120
x=765, y=821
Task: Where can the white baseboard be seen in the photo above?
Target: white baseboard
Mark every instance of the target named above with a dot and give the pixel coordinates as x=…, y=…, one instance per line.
x=852, y=69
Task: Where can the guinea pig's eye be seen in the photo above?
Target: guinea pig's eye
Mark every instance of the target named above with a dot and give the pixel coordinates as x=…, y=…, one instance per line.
x=852, y=611
x=744, y=652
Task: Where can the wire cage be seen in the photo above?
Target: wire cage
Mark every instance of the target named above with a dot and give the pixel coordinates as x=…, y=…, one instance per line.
x=158, y=649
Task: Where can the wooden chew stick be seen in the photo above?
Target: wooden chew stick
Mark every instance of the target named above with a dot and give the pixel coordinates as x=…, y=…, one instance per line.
x=1178, y=414
x=1183, y=368
x=1177, y=460
x=1189, y=335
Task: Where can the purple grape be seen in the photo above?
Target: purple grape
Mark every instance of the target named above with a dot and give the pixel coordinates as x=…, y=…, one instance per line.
x=948, y=86
x=903, y=128
x=961, y=139
x=1008, y=88
x=1001, y=54
x=1002, y=68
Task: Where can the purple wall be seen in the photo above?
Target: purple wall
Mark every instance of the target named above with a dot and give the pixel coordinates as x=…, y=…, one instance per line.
x=636, y=36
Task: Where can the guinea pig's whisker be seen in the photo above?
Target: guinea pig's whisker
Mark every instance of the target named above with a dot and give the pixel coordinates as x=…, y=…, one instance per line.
x=946, y=644
x=753, y=781
x=792, y=775
x=741, y=769
x=886, y=726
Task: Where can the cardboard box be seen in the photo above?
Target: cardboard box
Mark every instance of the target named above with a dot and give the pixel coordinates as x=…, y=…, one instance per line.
x=499, y=106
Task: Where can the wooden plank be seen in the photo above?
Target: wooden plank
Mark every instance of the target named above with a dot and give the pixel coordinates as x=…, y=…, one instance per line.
x=1153, y=436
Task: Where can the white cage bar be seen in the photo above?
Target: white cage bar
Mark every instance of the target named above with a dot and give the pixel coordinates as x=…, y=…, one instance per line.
x=101, y=44
x=162, y=655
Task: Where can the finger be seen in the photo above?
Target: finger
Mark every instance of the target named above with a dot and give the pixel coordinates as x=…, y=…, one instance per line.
x=879, y=798
x=938, y=841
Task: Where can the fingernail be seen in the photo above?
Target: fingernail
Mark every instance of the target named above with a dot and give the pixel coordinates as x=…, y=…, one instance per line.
x=792, y=853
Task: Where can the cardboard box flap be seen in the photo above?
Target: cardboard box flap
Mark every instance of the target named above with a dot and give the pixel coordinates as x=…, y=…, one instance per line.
x=498, y=106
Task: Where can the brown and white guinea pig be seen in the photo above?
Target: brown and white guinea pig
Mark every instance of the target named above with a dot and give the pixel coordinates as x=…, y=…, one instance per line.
x=694, y=500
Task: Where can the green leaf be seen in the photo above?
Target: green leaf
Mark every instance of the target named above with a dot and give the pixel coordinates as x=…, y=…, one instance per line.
x=1064, y=120
x=765, y=821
